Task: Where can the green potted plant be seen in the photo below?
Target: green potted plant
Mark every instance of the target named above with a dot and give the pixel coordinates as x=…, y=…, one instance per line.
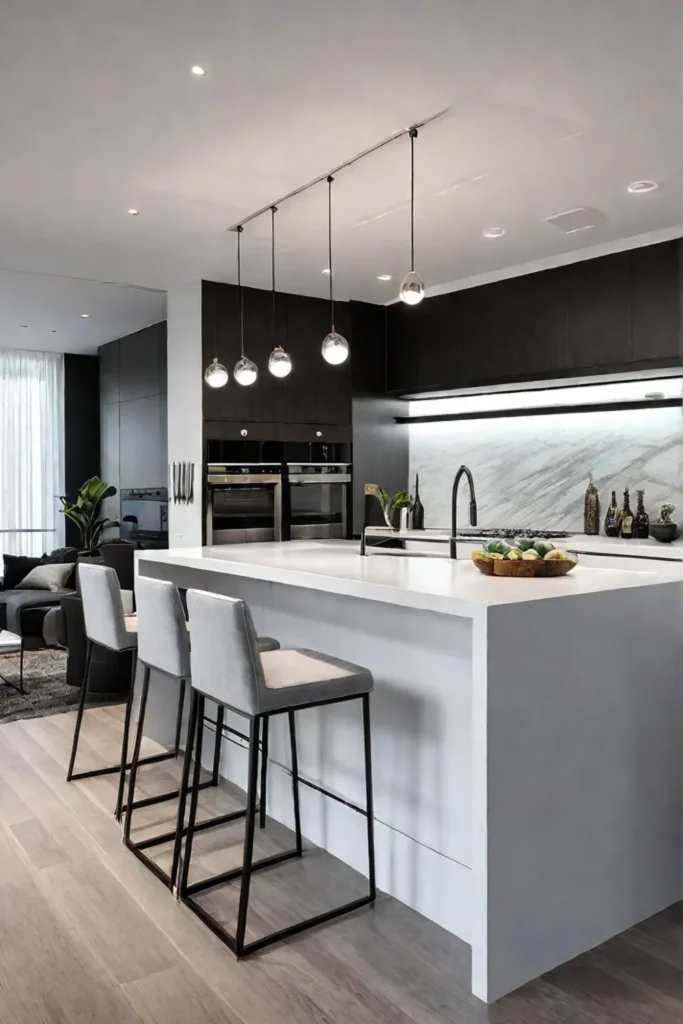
x=85, y=512
x=392, y=505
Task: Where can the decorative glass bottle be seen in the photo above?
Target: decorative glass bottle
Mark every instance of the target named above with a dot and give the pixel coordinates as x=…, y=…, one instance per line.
x=641, y=521
x=418, y=507
x=612, y=518
x=591, y=509
x=626, y=517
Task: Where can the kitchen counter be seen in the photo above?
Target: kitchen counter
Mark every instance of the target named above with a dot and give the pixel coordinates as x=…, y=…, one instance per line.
x=526, y=738
x=616, y=546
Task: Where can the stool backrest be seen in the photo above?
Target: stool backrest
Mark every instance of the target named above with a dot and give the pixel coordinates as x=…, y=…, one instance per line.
x=163, y=638
x=226, y=664
x=103, y=608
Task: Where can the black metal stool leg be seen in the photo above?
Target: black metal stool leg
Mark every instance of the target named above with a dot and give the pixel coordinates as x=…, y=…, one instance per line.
x=126, y=733
x=295, y=783
x=79, y=716
x=216, y=774
x=248, y=835
x=194, y=799
x=182, y=796
x=136, y=754
x=264, y=772
x=179, y=719
x=369, y=803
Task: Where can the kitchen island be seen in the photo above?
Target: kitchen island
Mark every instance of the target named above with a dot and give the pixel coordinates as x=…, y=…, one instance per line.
x=526, y=738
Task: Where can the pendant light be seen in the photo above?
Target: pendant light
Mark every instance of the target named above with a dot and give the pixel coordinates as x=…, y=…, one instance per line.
x=216, y=375
x=335, y=347
x=412, y=287
x=279, y=361
x=245, y=372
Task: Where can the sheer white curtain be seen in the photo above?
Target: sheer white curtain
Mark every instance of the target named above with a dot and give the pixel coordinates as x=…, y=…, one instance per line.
x=31, y=451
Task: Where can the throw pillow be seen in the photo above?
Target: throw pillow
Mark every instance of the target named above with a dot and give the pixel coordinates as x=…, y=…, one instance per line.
x=16, y=567
x=47, y=577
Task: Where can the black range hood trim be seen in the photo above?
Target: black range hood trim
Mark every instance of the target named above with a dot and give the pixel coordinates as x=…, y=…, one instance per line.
x=545, y=410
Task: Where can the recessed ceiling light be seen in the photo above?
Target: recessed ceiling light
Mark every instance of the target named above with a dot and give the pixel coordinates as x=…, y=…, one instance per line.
x=53, y=331
x=384, y=277
x=494, y=232
x=198, y=70
x=24, y=326
x=85, y=316
x=326, y=270
x=643, y=186
x=133, y=212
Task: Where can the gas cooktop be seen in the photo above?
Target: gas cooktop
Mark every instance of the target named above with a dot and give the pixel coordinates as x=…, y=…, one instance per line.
x=506, y=534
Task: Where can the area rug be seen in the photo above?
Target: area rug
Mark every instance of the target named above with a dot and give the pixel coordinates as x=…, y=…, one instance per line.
x=44, y=681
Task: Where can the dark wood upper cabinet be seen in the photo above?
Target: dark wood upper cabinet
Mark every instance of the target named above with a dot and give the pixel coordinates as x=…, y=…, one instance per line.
x=600, y=312
x=142, y=363
x=656, y=302
x=615, y=312
x=314, y=392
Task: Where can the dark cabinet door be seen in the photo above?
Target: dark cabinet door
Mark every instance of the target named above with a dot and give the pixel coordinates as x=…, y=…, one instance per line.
x=316, y=392
x=600, y=312
x=142, y=438
x=108, y=356
x=142, y=363
x=656, y=302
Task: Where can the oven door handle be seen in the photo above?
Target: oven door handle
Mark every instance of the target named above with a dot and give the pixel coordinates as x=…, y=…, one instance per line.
x=324, y=478
x=235, y=478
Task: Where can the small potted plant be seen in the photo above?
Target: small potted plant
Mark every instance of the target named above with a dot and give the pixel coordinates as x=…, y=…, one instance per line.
x=85, y=513
x=392, y=504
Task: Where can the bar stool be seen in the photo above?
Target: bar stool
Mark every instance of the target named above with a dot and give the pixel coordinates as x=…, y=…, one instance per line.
x=228, y=668
x=164, y=645
x=107, y=625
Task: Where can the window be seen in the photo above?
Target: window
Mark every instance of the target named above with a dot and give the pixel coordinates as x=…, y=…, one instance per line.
x=31, y=451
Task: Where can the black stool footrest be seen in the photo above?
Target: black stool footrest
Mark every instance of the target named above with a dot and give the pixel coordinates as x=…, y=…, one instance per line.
x=284, y=933
x=229, y=876
x=94, y=772
x=222, y=819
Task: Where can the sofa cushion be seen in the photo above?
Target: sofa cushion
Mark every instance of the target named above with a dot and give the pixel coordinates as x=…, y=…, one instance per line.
x=13, y=602
x=47, y=577
x=15, y=568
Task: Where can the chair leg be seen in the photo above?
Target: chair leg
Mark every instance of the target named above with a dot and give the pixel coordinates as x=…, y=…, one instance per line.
x=369, y=803
x=182, y=796
x=126, y=734
x=295, y=782
x=21, y=666
x=220, y=717
x=248, y=855
x=194, y=799
x=81, y=706
x=264, y=772
x=179, y=719
x=136, y=754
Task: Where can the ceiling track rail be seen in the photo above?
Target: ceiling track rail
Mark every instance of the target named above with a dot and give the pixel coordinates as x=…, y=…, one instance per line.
x=340, y=167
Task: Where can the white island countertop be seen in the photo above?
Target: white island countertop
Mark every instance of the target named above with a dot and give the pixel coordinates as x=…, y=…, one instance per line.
x=440, y=585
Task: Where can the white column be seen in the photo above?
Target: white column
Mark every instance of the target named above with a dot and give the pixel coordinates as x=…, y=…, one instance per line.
x=185, y=389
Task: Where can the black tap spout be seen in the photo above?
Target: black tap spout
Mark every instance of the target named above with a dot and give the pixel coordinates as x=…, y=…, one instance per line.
x=463, y=471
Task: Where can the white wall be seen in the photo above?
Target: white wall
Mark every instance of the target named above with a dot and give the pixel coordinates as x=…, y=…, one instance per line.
x=185, y=385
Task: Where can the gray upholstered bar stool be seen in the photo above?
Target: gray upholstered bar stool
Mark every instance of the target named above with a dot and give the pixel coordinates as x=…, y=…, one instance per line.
x=164, y=646
x=107, y=624
x=228, y=668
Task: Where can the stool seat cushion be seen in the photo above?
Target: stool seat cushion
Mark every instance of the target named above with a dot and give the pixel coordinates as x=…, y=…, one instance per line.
x=298, y=677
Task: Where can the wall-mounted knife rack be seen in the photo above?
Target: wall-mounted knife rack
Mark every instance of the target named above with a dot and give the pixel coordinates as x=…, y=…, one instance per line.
x=182, y=483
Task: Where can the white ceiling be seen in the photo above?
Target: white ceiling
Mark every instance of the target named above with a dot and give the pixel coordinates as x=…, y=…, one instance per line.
x=552, y=105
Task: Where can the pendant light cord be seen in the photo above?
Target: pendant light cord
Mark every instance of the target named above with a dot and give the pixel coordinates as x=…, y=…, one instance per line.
x=413, y=136
x=330, y=179
x=240, y=229
x=273, y=211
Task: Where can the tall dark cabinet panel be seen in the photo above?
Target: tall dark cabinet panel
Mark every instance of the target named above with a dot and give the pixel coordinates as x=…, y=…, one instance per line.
x=380, y=445
x=81, y=428
x=315, y=397
x=133, y=413
x=617, y=312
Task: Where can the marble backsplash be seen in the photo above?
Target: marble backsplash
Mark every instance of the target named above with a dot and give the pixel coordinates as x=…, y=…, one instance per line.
x=533, y=471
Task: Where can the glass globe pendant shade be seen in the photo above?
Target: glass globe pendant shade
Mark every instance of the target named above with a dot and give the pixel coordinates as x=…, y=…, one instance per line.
x=335, y=349
x=245, y=372
x=280, y=362
x=215, y=375
x=412, y=289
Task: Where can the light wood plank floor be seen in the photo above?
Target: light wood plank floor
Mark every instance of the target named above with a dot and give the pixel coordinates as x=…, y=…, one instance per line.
x=88, y=936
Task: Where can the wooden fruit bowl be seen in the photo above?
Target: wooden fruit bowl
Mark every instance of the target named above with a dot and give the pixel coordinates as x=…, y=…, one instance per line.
x=523, y=569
